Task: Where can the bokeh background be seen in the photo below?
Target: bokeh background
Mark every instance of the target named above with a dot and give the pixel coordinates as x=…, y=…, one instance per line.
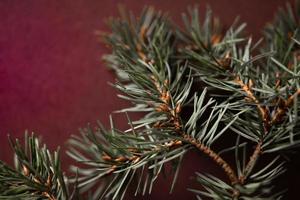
x=52, y=79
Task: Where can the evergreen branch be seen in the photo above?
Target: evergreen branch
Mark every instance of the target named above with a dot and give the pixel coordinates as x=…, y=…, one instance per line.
x=134, y=152
x=37, y=175
x=124, y=157
x=171, y=105
x=149, y=39
x=268, y=123
x=174, y=120
x=194, y=86
x=204, y=53
x=267, y=120
x=263, y=112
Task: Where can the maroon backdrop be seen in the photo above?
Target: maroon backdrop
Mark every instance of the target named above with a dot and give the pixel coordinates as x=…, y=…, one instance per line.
x=52, y=80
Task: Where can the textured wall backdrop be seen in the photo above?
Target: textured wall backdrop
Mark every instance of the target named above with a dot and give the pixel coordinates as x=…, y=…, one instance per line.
x=52, y=80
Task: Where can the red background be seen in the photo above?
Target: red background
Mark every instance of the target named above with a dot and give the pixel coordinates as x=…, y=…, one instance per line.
x=52, y=80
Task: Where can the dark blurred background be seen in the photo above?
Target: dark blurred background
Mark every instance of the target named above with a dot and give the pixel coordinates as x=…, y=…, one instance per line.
x=52, y=79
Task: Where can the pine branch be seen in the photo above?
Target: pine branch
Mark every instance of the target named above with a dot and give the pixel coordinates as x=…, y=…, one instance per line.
x=195, y=87
x=169, y=106
x=125, y=156
x=237, y=73
x=37, y=175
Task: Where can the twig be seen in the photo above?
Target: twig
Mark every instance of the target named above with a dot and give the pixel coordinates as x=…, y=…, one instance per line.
x=251, y=163
x=214, y=156
x=264, y=113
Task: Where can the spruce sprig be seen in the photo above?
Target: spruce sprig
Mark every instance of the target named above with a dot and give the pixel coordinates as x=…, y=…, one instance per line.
x=37, y=173
x=195, y=86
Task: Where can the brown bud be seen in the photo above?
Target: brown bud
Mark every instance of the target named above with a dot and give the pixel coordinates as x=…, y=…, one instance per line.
x=121, y=159
x=178, y=143
x=157, y=124
x=106, y=157
x=112, y=169
x=132, y=157
x=178, y=108
x=169, y=144
x=143, y=31
x=48, y=183
x=162, y=108
x=157, y=85
x=36, y=180
x=142, y=56
x=137, y=159
x=46, y=194
x=215, y=39
x=166, y=83
x=25, y=170
x=226, y=61
x=166, y=97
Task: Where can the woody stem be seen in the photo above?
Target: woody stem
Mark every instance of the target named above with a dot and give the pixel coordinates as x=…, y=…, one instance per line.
x=263, y=112
x=214, y=156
